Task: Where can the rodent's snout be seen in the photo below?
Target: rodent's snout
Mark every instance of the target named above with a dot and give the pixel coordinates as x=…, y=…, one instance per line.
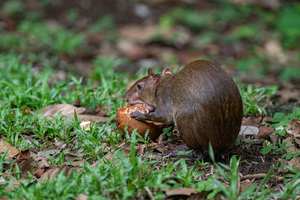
x=125, y=97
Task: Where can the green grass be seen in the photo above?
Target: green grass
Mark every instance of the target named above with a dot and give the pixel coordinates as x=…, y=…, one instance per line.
x=35, y=36
x=132, y=176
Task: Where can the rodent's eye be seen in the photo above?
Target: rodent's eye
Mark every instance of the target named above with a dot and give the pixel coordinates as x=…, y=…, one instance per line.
x=139, y=86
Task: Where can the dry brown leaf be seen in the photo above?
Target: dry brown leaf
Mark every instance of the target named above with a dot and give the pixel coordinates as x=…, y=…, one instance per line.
x=76, y=103
x=252, y=122
x=297, y=167
x=297, y=141
x=66, y=109
x=87, y=119
x=82, y=197
x=26, y=165
x=25, y=154
x=85, y=125
x=75, y=163
x=180, y=191
x=144, y=34
x=132, y=50
x=110, y=157
x=52, y=173
x=38, y=172
x=288, y=95
x=99, y=110
x=12, y=152
x=264, y=132
x=140, y=149
x=286, y=162
x=273, y=49
x=138, y=33
x=23, y=165
x=267, y=119
x=274, y=138
x=245, y=185
x=280, y=168
x=42, y=162
x=294, y=162
x=3, y=198
x=16, y=183
x=48, y=152
x=248, y=130
x=154, y=155
x=293, y=128
x=80, y=170
x=292, y=148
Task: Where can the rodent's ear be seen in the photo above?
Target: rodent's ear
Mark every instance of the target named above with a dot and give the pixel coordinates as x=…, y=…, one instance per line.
x=166, y=71
x=151, y=75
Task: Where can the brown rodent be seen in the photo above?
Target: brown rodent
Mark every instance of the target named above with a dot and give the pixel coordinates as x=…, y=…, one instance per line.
x=201, y=100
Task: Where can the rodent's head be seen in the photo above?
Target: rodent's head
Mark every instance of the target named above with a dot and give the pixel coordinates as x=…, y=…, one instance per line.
x=143, y=91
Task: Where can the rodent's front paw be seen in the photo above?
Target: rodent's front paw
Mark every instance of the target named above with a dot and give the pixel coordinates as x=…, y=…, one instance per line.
x=137, y=115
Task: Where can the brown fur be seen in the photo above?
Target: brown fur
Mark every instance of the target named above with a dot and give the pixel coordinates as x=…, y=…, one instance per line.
x=202, y=100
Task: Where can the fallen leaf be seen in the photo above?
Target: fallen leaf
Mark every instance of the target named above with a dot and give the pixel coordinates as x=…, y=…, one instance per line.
x=76, y=163
x=297, y=167
x=294, y=162
x=245, y=186
x=154, y=155
x=248, y=130
x=292, y=147
x=52, y=173
x=137, y=33
x=288, y=95
x=293, y=128
x=132, y=50
x=180, y=191
x=82, y=197
x=12, y=152
x=87, y=119
x=66, y=109
x=99, y=110
x=38, y=172
x=145, y=34
x=41, y=162
x=126, y=148
x=264, y=132
x=16, y=183
x=297, y=141
x=274, y=138
x=252, y=122
x=76, y=103
x=25, y=154
x=273, y=49
x=25, y=167
x=267, y=119
x=49, y=152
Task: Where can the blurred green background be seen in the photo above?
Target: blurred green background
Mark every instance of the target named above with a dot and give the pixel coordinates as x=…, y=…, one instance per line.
x=260, y=38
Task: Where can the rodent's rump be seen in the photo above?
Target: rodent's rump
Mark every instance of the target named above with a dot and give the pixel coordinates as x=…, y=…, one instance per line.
x=201, y=100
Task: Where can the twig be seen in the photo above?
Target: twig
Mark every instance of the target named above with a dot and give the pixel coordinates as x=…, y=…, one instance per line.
x=149, y=193
x=258, y=176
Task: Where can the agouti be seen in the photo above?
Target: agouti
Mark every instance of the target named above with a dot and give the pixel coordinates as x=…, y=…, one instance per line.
x=201, y=100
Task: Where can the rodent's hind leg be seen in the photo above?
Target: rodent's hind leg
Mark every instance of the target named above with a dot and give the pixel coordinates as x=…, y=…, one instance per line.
x=152, y=116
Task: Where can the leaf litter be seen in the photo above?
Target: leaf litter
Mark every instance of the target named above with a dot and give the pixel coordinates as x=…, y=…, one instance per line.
x=44, y=170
